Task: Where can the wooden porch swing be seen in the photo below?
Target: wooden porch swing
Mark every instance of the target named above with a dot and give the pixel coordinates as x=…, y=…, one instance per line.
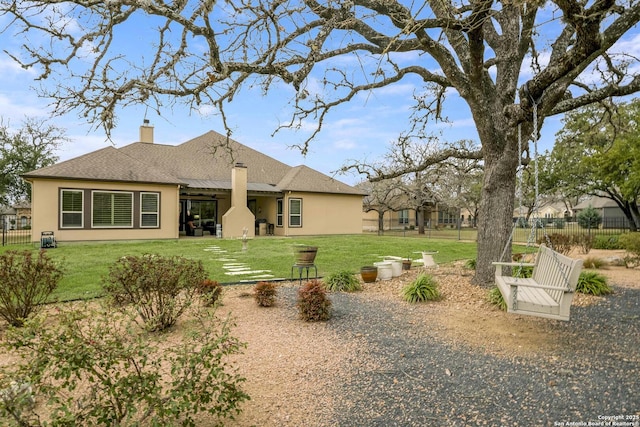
x=549, y=291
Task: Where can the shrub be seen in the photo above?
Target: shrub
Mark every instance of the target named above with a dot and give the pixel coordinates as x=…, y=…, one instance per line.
x=265, y=293
x=589, y=218
x=631, y=243
x=26, y=282
x=160, y=288
x=210, y=292
x=606, y=242
x=559, y=223
x=561, y=243
x=593, y=283
x=93, y=367
x=342, y=281
x=424, y=288
x=585, y=242
x=593, y=262
x=496, y=298
x=313, y=303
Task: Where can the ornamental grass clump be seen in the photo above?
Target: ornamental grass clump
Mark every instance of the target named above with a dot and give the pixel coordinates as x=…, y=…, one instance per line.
x=265, y=294
x=159, y=288
x=344, y=280
x=593, y=263
x=495, y=297
x=470, y=264
x=313, y=303
x=424, y=288
x=26, y=282
x=593, y=283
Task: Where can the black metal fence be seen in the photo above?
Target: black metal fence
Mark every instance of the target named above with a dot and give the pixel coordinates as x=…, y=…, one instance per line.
x=523, y=231
x=12, y=232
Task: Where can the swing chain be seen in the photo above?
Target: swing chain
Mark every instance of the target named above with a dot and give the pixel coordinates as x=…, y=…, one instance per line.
x=536, y=215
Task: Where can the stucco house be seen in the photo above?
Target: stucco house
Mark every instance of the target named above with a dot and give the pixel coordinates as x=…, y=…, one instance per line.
x=611, y=214
x=144, y=190
x=16, y=217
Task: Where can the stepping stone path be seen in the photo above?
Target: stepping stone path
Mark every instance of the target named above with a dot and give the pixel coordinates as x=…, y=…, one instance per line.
x=237, y=269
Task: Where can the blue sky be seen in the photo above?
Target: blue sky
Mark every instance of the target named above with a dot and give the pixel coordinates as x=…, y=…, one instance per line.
x=359, y=130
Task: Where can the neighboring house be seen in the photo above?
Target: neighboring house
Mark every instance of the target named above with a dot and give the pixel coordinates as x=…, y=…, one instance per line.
x=547, y=212
x=7, y=218
x=23, y=215
x=144, y=190
x=16, y=217
x=611, y=214
x=399, y=213
x=551, y=211
x=434, y=216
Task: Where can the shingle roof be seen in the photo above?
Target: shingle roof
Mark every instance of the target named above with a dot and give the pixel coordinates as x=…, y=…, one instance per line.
x=202, y=162
x=106, y=164
x=303, y=178
x=596, y=202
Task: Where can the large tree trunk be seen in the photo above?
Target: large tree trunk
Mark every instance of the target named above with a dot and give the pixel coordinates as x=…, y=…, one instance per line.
x=495, y=217
x=635, y=213
x=630, y=210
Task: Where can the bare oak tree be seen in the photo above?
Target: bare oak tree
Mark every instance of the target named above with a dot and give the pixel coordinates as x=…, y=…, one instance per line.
x=382, y=197
x=206, y=51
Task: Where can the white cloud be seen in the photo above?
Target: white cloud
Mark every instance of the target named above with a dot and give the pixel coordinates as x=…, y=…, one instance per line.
x=14, y=108
x=11, y=69
x=629, y=45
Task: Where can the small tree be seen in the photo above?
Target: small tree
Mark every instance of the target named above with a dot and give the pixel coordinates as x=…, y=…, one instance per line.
x=382, y=197
x=25, y=283
x=589, y=218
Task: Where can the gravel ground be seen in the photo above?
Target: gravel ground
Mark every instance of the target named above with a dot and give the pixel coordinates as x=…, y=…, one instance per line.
x=424, y=381
x=382, y=362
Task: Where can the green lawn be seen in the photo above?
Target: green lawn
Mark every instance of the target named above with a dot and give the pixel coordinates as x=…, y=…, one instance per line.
x=86, y=263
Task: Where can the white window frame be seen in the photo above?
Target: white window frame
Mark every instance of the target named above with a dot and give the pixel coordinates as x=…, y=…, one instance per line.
x=156, y=212
x=403, y=216
x=94, y=192
x=63, y=212
x=291, y=215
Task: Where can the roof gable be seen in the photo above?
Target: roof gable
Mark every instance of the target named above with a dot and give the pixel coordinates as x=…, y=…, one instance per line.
x=209, y=157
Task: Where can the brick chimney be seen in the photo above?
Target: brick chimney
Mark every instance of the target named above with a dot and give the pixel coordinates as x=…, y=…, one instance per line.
x=146, y=132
